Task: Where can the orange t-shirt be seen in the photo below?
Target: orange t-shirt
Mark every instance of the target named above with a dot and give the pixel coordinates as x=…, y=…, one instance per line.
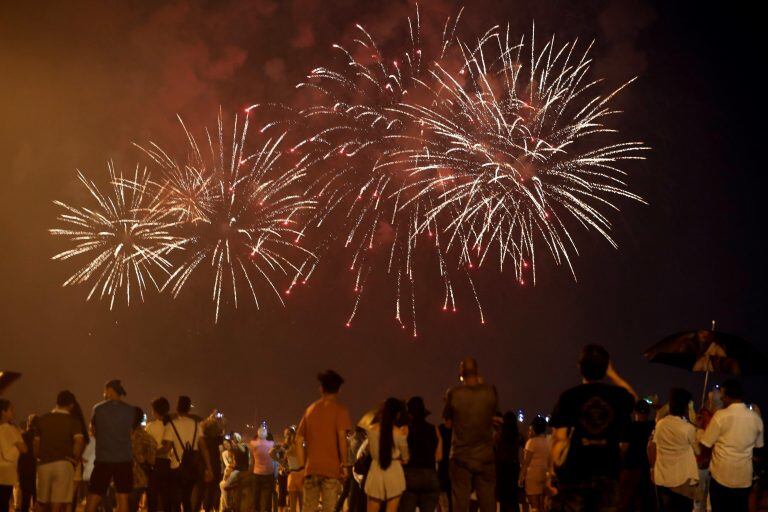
x=319, y=427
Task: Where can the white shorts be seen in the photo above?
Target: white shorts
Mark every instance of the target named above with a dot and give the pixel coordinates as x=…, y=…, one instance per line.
x=55, y=482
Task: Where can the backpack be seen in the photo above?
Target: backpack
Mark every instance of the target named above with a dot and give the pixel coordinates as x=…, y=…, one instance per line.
x=188, y=462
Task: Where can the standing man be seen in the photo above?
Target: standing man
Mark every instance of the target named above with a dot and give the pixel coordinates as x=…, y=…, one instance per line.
x=185, y=435
x=590, y=421
x=323, y=429
x=732, y=435
x=112, y=423
x=58, y=443
x=470, y=409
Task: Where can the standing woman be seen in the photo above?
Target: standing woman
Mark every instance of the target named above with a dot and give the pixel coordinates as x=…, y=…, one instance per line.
x=388, y=443
x=425, y=448
x=534, y=468
x=295, y=471
x=11, y=446
x=672, y=453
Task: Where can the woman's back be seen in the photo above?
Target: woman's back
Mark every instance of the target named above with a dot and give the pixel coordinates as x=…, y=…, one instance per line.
x=539, y=447
x=399, y=445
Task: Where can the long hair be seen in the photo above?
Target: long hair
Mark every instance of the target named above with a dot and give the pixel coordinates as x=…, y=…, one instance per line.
x=391, y=413
x=77, y=413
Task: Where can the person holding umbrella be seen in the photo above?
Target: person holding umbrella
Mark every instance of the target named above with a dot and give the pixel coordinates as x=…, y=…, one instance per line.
x=732, y=435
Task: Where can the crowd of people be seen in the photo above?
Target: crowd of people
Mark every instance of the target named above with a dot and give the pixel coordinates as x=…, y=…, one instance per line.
x=602, y=449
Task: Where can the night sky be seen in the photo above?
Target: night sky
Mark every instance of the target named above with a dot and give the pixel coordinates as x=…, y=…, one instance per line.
x=79, y=81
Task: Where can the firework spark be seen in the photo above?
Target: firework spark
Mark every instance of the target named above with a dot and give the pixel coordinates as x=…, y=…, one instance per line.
x=239, y=212
x=126, y=237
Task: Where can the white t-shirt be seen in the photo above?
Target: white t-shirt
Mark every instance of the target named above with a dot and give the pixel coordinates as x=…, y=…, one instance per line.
x=185, y=426
x=732, y=434
x=9, y=454
x=675, y=465
x=156, y=429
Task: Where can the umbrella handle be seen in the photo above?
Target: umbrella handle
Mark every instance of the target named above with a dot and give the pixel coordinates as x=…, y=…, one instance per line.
x=704, y=390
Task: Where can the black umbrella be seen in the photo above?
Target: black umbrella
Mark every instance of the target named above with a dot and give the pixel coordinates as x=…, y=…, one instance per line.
x=7, y=378
x=709, y=352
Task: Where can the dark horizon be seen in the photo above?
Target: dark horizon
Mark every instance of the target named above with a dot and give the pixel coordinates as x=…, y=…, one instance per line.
x=83, y=83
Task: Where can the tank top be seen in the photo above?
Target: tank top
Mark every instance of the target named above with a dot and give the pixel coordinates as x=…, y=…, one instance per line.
x=422, y=443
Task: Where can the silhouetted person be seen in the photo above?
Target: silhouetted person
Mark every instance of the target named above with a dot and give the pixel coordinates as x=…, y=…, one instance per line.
x=590, y=421
x=508, y=464
x=470, y=409
x=636, y=491
x=422, y=488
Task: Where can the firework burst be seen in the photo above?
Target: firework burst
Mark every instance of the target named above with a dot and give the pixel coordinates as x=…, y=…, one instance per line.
x=239, y=212
x=126, y=237
x=520, y=140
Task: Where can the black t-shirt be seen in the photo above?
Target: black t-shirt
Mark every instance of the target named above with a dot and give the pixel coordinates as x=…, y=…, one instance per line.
x=637, y=437
x=422, y=445
x=599, y=415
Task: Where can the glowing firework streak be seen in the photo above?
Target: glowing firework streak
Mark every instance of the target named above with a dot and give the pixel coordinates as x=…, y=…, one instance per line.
x=126, y=237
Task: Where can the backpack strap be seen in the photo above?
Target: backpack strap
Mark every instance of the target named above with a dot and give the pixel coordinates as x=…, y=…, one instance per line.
x=173, y=445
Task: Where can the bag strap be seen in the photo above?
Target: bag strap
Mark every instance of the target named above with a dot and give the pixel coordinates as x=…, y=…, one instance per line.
x=173, y=445
x=184, y=446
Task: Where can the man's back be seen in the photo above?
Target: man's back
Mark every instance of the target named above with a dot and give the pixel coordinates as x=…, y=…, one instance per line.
x=733, y=433
x=56, y=431
x=599, y=415
x=471, y=409
x=113, y=422
x=322, y=422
